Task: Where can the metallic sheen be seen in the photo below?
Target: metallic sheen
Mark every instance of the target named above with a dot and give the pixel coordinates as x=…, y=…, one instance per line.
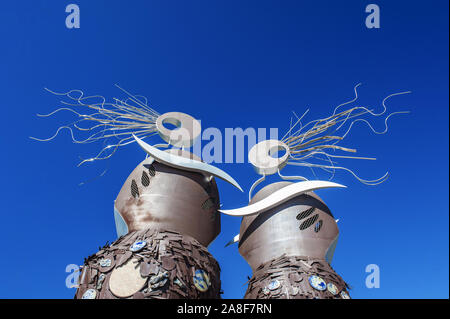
x=172, y=201
x=275, y=232
x=187, y=131
x=260, y=156
x=186, y=163
x=279, y=197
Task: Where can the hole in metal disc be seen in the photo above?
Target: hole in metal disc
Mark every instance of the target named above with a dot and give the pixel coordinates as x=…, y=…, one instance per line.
x=305, y=213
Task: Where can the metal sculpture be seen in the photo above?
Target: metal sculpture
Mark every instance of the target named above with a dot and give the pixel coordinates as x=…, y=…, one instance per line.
x=166, y=213
x=112, y=123
x=288, y=234
x=156, y=195
x=150, y=264
x=168, y=207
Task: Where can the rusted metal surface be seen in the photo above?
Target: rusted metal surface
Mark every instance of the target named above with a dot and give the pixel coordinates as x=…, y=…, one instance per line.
x=156, y=196
x=168, y=266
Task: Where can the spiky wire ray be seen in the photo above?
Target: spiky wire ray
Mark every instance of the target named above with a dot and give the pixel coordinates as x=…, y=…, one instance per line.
x=103, y=121
x=314, y=140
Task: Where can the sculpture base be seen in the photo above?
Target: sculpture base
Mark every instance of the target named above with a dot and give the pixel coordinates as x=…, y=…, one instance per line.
x=296, y=277
x=150, y=264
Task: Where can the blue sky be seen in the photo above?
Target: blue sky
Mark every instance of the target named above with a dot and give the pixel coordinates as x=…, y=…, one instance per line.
x=231, y=64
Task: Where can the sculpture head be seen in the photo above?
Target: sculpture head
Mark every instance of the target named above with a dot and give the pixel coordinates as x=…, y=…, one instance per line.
x=159, y=196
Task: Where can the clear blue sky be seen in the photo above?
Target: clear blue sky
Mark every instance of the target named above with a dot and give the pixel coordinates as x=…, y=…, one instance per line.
x=230, y=63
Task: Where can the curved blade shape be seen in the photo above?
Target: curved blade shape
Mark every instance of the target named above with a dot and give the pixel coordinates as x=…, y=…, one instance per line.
x=234, y=240
x=279, y=197
x=185, y=163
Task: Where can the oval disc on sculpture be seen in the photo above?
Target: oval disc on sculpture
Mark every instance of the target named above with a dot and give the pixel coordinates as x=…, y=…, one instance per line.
x=262, y=159
x=126, y=280
x=187, y=131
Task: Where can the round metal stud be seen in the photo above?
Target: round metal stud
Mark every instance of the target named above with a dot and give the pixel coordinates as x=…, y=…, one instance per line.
x=138, y=245
x=332, y=288
x=317, y=283
x=201, y=280
x=274, y=284
x=89, y=294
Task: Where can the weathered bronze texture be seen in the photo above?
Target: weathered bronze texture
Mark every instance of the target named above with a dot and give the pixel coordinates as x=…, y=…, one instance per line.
x=163, y=269
x=291, y=275
x=157, y=196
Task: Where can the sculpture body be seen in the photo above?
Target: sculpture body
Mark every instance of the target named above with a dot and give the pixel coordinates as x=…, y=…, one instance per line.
x=290, y=248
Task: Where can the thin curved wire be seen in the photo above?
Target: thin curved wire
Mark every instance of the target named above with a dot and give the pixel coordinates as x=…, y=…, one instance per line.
x=315, y=140
x=102, y=121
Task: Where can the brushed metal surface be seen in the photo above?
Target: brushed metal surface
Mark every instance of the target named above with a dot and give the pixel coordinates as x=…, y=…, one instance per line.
x=173, y=200
x=275, y=232
x=262, y=160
